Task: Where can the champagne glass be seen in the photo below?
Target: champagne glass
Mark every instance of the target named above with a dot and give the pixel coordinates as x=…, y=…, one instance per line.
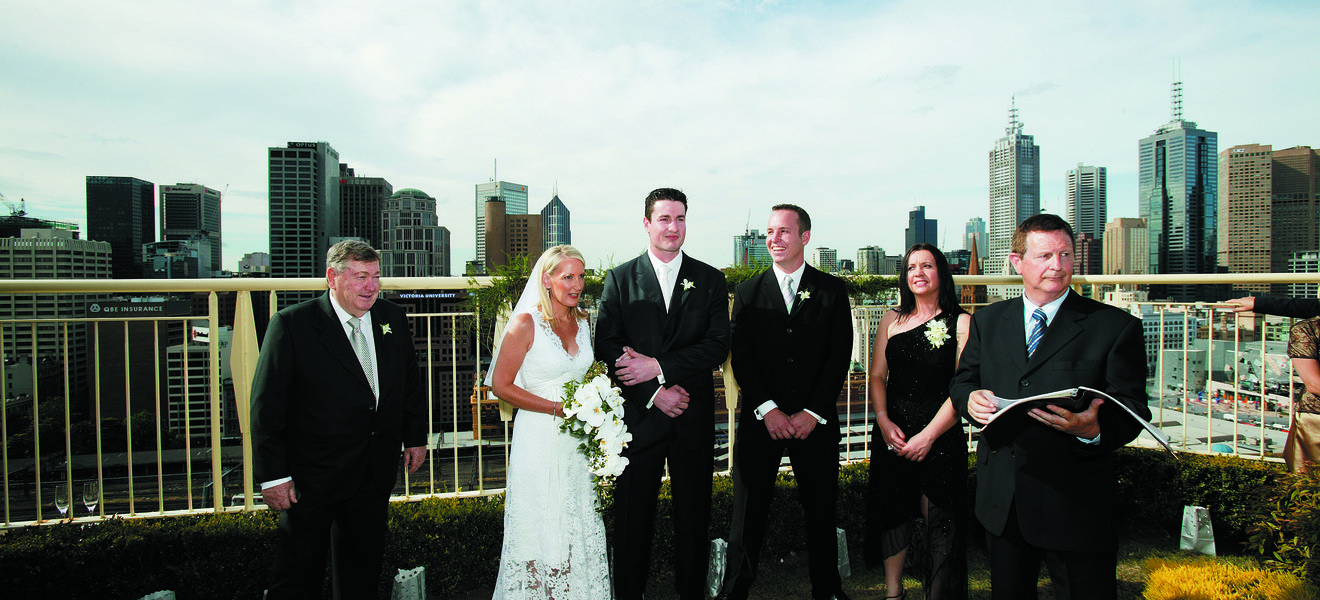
x=91, y=496
x=62, y=499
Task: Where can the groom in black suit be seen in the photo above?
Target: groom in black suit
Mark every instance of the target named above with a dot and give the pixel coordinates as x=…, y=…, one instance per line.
x=331, y=415
x=792, y=333
x=662, y=327
x=1044, y=478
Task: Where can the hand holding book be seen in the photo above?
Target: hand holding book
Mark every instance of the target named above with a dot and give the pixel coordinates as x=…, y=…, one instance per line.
x=1075, y=400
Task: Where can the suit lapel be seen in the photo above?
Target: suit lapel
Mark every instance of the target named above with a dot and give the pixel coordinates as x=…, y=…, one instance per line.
x=336, y=343
x=1065, y=327
x=771, y=291
x=383, y=354
x=1013, y=328
x=646, y=280
x=685, y=284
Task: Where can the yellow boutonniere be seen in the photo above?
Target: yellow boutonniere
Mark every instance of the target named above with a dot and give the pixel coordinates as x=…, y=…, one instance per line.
x=804, y=295
x=687, y=285
x=384, y=328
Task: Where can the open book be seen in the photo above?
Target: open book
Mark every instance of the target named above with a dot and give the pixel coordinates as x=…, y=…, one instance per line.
x=1076, y=400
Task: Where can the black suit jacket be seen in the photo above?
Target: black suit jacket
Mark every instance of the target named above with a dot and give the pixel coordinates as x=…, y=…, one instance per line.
x=689, y=339
x=313, y=414
x=799, y=359
x=1063, y=487
x=1301, y=308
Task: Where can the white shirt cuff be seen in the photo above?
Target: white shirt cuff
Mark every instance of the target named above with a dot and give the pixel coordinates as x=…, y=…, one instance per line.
x=819, y=419
x=764, y=409
x=1093, y=441
x=657, y=393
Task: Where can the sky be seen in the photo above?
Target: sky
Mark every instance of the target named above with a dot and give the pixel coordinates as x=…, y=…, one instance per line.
x=857, y=110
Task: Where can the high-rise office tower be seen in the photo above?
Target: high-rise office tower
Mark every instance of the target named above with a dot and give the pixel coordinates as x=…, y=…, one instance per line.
x=360, y=204
x=1296, y=181
x=921, y=230
x=1267, y=210
x=869, y=259
x=555, y=223
x=1088, y=254
x=121, y=210
x=413, y=244
x=975, y=236
x=749, y=249
x=1014, y=196
x=304, y=211
x=826, y=259
x=514, y=197
x=1178, y=198
x=52, y=254
x=1126, y=247
x=1086, y=200
x=508, y=236
x=1245, y=199
x=189, y=211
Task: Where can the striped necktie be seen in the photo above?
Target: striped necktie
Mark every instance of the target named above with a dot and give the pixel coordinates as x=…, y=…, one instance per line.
x=1037, y=331
x=359, y=341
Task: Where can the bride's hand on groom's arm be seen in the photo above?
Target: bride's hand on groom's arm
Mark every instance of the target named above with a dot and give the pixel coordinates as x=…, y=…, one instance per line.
x=672, y=401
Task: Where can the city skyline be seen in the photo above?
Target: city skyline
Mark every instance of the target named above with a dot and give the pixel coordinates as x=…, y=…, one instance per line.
x=855, y=111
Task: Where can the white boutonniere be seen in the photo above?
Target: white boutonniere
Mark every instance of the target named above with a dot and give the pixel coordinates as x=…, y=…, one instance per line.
x=687, y=285
x=937, y=332
x=804, y=295
x=384, y=328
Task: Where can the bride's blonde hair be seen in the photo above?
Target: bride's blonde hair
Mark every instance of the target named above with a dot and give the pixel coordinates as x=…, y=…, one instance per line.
x=548, y=262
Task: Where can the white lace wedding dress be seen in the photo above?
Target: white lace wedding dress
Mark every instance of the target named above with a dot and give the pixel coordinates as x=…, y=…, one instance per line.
x=554, y=541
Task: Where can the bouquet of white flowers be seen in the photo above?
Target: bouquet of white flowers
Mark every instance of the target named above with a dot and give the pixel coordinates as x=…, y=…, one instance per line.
x=593, y=413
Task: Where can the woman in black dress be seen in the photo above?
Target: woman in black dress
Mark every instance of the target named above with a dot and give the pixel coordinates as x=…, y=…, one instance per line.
x=918, y=450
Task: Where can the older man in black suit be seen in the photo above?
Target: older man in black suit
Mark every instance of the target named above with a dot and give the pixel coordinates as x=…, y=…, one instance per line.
x=792, y=332
x=1045, y=480
x=663, y=327
x=336, y=399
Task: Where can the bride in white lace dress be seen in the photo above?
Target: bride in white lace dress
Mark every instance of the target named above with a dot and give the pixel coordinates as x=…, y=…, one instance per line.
x=554, y=541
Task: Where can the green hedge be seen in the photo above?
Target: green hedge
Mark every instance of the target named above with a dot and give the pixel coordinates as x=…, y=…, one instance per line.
x=458, y=541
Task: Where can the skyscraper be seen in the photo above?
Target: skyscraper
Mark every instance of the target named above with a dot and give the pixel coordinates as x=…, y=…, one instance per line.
x=921, y=230
x=1126, y=245
x=826, y=259
x=121, y=210
x=304, y=211
x=53, y=254
x=1014, y=195
x=1296, y=182
x=1177, y=196
x=514, y=197
x=749, y=249
x=555, y=224
x=1244, y=212
x=869, y=259
x=975, y=236
x=413, y=244
x=509, y=235
x=1267, y=210
x=1087, y=199
x=361, y=200
x=189, y=211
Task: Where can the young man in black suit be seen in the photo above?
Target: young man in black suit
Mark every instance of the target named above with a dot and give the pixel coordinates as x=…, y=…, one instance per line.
x=662, y=327
x=335, y=400
x=1044, y=478
x=792, y=332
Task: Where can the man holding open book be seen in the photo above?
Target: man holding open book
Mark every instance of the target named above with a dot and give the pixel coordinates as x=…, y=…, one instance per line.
x=1045, y=481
